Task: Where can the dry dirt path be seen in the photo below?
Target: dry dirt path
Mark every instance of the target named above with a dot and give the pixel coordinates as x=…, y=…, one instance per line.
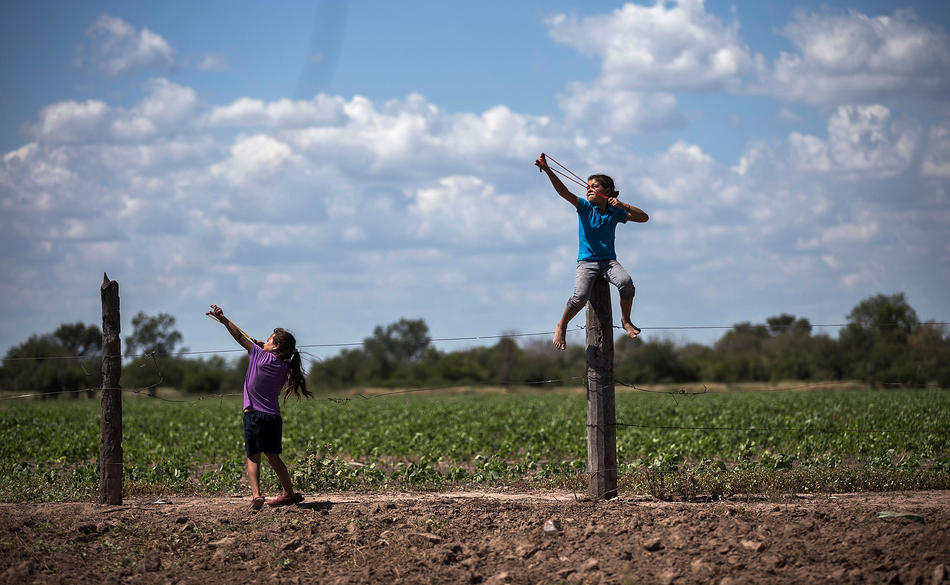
x=481, y=537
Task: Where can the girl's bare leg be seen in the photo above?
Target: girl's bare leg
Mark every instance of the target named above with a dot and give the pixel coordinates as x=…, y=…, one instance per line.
x=254, y=474
x=282, y=474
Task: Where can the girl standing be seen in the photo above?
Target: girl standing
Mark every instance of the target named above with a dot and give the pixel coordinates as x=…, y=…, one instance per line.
x=272, y=366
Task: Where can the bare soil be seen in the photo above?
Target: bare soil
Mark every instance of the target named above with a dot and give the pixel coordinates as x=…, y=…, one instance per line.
x=481, y=537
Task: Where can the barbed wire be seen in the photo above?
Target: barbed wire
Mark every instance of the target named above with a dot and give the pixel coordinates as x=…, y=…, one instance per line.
x=576, y=329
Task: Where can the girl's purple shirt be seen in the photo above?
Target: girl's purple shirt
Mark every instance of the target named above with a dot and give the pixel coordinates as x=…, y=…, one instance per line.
x=266, y=377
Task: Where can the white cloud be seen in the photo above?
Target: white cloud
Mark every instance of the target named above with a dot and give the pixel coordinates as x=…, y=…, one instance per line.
x=681, y=174
x=163, y=109
x=861, y=139
x=668, y=45
x=678, y=45
x=936, y=162
x=861, y=231
x=284, y=113
x=71, y=121
x=353, y=234
x=786, y=116
x=854, y=57
x=412, y=137
x=809, y=152
x=114, y=47
x=466, y=209
x=276, y=286
x=166, y=102
x=213, y=62
x=850, y=280
x=253, y=158
x=755, y=153
x=605, y=112
x=646, y=52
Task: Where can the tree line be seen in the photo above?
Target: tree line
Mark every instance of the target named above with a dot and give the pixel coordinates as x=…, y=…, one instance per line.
x=883, y=343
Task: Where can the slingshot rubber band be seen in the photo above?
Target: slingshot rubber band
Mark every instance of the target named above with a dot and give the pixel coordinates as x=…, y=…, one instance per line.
x=552, y=159
x=570, y=175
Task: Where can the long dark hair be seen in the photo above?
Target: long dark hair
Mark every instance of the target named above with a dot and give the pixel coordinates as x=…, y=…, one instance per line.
x=287, y=351
x=606, y=182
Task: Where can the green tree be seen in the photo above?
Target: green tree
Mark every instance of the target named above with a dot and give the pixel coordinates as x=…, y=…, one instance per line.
x=651, y=362
x=504, y=361
x=155, y=338
x=79, y=338
x=152, y=334
x=739, y=354
x=151, y=371
x=789, y=351
x=346, y=370
x=875, y=341
x=205, y=376
x=392, y=350
x=63, y=361
x=930, y=350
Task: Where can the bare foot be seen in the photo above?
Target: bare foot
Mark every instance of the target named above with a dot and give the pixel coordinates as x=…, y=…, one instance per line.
x=560, y=334
x=631, y=329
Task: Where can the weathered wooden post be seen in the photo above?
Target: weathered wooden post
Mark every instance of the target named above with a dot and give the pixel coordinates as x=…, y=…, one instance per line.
x=601, y=413
x=110, y=424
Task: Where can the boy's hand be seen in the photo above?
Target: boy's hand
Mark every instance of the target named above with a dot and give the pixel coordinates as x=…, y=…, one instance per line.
x=613, y=202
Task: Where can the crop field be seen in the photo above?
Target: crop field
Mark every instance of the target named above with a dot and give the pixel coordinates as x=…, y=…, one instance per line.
x=670, y=446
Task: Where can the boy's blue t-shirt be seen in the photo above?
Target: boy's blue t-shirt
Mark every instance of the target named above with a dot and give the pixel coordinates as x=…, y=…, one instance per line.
x=595, y=231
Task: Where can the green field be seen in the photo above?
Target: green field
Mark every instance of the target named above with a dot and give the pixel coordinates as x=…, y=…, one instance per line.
x=723, y=443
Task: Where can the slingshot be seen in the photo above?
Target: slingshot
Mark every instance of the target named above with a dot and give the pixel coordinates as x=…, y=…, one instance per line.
x=569, y=175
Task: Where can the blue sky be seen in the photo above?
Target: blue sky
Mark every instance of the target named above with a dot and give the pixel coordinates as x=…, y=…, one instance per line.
x=332, y=166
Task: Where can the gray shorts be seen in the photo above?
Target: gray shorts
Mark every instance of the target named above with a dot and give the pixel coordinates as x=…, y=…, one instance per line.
x=590, y=270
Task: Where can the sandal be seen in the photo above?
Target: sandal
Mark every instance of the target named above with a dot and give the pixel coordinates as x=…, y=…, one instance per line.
x=277, y=502
x=257, y=503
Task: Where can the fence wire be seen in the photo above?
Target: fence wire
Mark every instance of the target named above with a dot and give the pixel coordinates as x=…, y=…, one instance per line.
x=576, y=329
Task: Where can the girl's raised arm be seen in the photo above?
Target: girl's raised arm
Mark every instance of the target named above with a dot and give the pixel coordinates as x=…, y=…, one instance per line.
x=542, y=164
x=236, y=333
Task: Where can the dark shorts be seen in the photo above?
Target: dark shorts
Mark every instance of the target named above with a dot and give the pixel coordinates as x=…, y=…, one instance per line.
x=262, y=432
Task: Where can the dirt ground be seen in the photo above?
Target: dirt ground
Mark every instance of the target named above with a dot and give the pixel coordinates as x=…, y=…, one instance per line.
x=481, y=537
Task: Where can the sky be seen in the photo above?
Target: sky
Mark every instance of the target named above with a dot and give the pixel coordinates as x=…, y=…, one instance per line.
x=331, y=167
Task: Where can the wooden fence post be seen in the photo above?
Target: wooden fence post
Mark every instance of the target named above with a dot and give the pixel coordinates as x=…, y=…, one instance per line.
x=110, y=425
x=601, y=414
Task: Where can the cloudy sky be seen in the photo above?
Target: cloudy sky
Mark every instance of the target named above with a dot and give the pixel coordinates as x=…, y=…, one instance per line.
x=330, y=167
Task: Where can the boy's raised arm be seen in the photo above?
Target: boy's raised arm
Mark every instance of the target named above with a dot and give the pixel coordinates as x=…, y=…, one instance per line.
x=542, y=164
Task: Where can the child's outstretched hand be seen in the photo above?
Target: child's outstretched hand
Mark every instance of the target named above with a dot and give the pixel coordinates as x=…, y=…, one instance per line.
x=541, y=163
x=216, y=312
